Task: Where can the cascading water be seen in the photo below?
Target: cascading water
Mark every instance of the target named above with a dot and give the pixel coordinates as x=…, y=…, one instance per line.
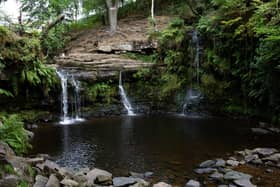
x=196, y=50
x=125, y=100
x=193, y=96
x=76, y=111
x=77, y=99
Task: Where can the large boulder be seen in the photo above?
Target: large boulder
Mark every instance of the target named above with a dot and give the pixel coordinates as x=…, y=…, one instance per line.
x=98, y=176
x=50, y=167
x=53, y=181
x=9, y=181
x=40, y=181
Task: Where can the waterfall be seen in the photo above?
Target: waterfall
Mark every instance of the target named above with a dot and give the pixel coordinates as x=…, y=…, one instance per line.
x=193, y=96
x=124, y=98
x=196, y=58
x=66, y=78
x=77, y=98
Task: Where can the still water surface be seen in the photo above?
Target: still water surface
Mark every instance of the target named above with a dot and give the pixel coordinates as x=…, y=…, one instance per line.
x=169, y=146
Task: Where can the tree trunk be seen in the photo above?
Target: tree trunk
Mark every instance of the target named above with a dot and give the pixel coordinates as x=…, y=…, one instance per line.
x=113, y=19
x=152, y=10
x=52, y=24
x=113, y=14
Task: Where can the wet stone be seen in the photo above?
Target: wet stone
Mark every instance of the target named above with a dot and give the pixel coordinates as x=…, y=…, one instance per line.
x=273, y=158
x=162, y=184
x=123, y=181
x=244, y=183
x=233, y=163
x=235, y=175
x=41, y=181
x=220, y=163
x=207, y=164
x=192, y=183
x=265, y=151
x=69, y=183
x=216, y=176
x=205, y=170
x=250, y=158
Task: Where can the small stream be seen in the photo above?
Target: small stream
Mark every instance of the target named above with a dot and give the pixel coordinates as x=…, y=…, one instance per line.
x=170, y=146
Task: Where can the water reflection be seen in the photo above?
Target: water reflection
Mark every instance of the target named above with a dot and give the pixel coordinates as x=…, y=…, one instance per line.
x=170, y=146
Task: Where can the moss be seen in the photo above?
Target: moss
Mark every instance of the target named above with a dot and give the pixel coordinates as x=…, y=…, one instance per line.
x=101, y=92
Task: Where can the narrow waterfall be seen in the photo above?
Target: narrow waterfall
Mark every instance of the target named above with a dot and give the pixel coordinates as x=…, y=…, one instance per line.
x=124, y=98
x=66, y=119
x=64, y=96
x=193, y=96
x=196, y=53
x=77, y=99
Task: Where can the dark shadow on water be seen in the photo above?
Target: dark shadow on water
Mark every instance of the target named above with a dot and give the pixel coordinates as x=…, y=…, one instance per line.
x=171, y=146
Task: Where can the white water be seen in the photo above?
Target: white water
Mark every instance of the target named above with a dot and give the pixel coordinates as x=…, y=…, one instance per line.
x=76, y=110
x=196, y=48
x=193, y=96
x=125, y=100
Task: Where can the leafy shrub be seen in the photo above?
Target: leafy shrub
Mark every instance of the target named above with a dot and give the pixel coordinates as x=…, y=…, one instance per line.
x=13, y=133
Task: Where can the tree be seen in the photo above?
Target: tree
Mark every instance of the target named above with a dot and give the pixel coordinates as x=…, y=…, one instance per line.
x=152, y=9
x=113, y=14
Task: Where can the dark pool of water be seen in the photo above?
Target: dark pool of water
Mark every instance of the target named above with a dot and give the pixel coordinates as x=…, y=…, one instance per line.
x=169, y=146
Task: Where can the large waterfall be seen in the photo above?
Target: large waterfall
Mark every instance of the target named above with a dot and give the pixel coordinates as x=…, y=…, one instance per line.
x=75, y=111
x=124, y=98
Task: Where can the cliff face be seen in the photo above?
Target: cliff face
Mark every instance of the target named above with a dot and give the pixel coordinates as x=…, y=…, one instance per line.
x=96, y=53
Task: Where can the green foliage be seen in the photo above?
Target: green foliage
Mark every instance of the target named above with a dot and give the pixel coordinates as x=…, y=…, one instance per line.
x=101, y=92
x=5, y=93
x=89, y=22
x=55, y=41
x=242, y=53
x=13, y=133
x=142, y=57
x=171, y=84
x=23, y=184
x=23, y=65
x=142, y=74
x=9, y=169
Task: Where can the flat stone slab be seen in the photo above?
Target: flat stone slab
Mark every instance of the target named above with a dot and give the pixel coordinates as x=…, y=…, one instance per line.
x=273, y=158
x=265, y=151
x=244, y=183
x=235, y=175
x=123, y=181
x=216, y=176
x=205, y=170
x=207, y=164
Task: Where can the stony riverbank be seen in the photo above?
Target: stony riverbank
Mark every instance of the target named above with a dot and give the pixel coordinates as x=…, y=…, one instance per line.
x=247, y=168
